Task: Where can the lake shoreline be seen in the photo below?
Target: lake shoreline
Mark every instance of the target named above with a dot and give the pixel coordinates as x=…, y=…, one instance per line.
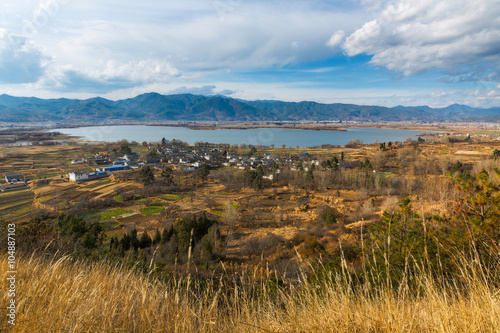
x=209, y=126
x=451, y=128
x=307, y=136
x=311, y=126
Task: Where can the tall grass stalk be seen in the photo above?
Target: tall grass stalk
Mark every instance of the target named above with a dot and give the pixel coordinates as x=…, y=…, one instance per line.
x=64, y=295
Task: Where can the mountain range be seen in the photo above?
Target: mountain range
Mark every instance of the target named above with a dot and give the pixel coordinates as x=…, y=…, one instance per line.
x=154, y=107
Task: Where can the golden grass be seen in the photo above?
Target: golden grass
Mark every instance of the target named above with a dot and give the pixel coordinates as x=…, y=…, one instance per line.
x=66, y=296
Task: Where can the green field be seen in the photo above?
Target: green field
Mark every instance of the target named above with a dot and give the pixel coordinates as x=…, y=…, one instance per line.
x=110, y=225
x=151, y=210
x=14, y=194
x=172, y=197
x=386, y=174
x=216, y=212
x=47, y=197
x=17, y=212
x=115, y=236
x=49, y=175
x=90, y=213
x=15, y=202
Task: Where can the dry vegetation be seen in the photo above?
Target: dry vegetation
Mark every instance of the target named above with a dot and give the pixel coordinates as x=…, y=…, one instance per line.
x=62, y=295
x=402, y=238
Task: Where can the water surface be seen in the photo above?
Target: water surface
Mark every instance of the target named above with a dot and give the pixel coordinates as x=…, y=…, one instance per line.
x=262, y=136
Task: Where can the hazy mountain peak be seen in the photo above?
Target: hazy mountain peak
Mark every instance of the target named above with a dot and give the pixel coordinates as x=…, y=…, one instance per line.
x=153, y=106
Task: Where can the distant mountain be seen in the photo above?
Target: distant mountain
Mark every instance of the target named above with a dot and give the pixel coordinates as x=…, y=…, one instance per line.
x=11, y=100
x=154, y=107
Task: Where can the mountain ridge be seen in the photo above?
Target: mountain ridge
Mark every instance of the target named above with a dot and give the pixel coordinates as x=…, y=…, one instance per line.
x=156, y=107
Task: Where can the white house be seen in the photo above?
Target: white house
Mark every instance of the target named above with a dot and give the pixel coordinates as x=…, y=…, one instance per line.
x=77, y=176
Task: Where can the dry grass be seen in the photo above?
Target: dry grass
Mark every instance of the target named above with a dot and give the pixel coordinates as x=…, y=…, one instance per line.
x=67, y=296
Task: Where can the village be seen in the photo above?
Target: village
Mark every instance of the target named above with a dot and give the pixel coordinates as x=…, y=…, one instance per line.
x=179, y=156
x=184, y=158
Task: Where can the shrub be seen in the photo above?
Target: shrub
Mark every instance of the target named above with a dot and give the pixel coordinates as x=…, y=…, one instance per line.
x=329, y=217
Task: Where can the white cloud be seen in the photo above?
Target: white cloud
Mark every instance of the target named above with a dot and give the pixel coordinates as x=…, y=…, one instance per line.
x=336, y=39
x=112, y=76
x=20, y=60
x=97, y=46
x=143, y=70
x=412, y=36
x=204, y=90
x=441, y=93
x=253, y=35
x=122, y=48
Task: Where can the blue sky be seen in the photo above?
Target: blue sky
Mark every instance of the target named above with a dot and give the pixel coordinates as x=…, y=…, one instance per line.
x=394, y=52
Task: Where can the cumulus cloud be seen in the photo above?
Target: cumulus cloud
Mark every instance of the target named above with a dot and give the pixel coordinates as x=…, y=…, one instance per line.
x=204, y=90
x=77, y=81
x=113, y=76
x=143, y=70
x=178, y=42
x=20, y=60
x=253, y=35
x=336, y=39
x=412, y=36
x=481, y=96
x=227, y=92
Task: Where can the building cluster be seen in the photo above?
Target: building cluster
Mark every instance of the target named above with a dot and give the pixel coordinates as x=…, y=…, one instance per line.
x=187, y=159
x=190, y=158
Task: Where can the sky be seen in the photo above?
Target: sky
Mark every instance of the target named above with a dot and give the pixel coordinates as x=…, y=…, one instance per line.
x=370, y=52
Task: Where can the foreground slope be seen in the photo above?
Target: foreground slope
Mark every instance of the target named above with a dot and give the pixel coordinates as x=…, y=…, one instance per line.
x=62, y=295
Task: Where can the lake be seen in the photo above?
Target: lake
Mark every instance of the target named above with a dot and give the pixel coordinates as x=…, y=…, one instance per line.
x=262, y=136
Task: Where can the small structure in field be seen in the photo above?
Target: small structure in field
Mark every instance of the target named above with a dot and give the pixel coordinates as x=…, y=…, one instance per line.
x=15, y=178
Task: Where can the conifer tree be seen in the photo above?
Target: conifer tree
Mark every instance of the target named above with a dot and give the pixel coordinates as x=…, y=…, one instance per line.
x=134, y=241
x=157, y=237
x=145, y=240
x=167, y=234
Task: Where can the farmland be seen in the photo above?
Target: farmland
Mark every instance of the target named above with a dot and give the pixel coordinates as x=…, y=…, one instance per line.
x=253, y=222
x=338, y=224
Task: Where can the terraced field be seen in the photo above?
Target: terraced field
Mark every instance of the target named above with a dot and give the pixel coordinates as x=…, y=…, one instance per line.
x=16, y=204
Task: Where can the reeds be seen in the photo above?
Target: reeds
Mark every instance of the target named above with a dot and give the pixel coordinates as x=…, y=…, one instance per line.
x=63, y=295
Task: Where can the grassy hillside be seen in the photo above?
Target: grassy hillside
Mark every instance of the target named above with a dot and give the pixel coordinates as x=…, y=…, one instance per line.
x=61, y=295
